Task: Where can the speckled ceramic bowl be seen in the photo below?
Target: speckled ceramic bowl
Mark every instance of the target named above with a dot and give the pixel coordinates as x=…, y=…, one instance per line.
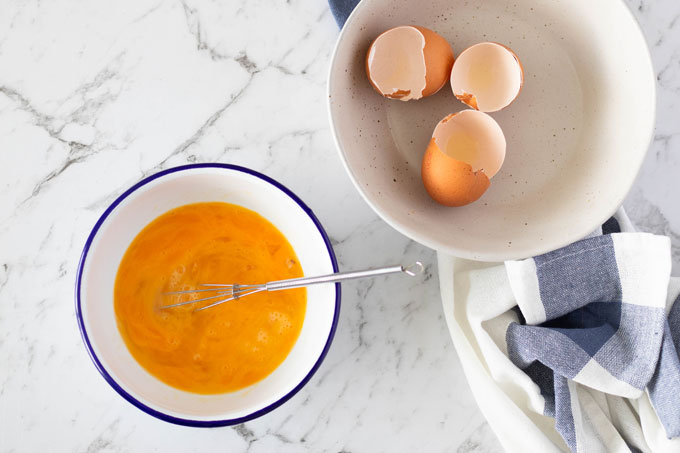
x=114, y=232
x=576, y=134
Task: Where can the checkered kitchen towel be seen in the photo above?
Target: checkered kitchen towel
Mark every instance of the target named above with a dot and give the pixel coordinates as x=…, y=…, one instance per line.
x=341, y=9
x=587, y=335
x=594, y=313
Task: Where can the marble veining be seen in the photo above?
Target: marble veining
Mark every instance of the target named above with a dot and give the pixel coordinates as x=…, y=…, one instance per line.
x=93, y=97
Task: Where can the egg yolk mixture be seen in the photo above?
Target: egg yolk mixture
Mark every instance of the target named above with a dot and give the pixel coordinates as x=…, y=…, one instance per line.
x=224, y=348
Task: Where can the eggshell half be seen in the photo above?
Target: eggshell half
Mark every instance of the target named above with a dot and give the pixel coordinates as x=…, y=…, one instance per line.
x=466, y=150
x=487, y=76
x=449, y=181
x=409, y=62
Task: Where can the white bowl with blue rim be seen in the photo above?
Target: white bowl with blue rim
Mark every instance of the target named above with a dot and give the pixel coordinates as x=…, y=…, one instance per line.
x=127, y=216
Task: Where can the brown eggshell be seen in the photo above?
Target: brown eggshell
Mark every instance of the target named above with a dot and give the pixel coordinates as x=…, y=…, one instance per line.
x=521, y=70
x=519, y=62
x=367, y=67
x=449, y=181
x=492, y=96
x=468, y=99
x=438, y=59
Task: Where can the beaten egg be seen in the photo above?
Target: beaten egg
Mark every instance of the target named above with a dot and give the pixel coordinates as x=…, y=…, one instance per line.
x=225, y=348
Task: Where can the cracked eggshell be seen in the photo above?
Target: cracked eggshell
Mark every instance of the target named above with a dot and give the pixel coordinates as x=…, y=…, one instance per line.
x=487, y=76
x=408, y=62
x=466, y=150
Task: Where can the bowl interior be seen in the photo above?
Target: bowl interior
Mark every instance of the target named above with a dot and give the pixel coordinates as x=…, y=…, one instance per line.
x=131, y=216
x=576, y=134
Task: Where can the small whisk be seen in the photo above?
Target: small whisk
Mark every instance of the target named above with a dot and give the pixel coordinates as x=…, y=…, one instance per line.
x=226, y=293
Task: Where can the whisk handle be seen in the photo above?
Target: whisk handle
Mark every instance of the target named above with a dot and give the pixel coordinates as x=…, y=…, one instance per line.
x=413, y=269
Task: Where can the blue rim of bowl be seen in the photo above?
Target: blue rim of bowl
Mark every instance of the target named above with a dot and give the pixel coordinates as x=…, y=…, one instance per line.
x=141, y=405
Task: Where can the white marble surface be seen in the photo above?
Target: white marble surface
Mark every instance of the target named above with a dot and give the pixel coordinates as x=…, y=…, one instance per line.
x=94, y=96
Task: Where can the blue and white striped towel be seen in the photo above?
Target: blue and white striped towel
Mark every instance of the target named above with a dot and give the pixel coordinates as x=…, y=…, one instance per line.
x=593, y=326
x=595, y=314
